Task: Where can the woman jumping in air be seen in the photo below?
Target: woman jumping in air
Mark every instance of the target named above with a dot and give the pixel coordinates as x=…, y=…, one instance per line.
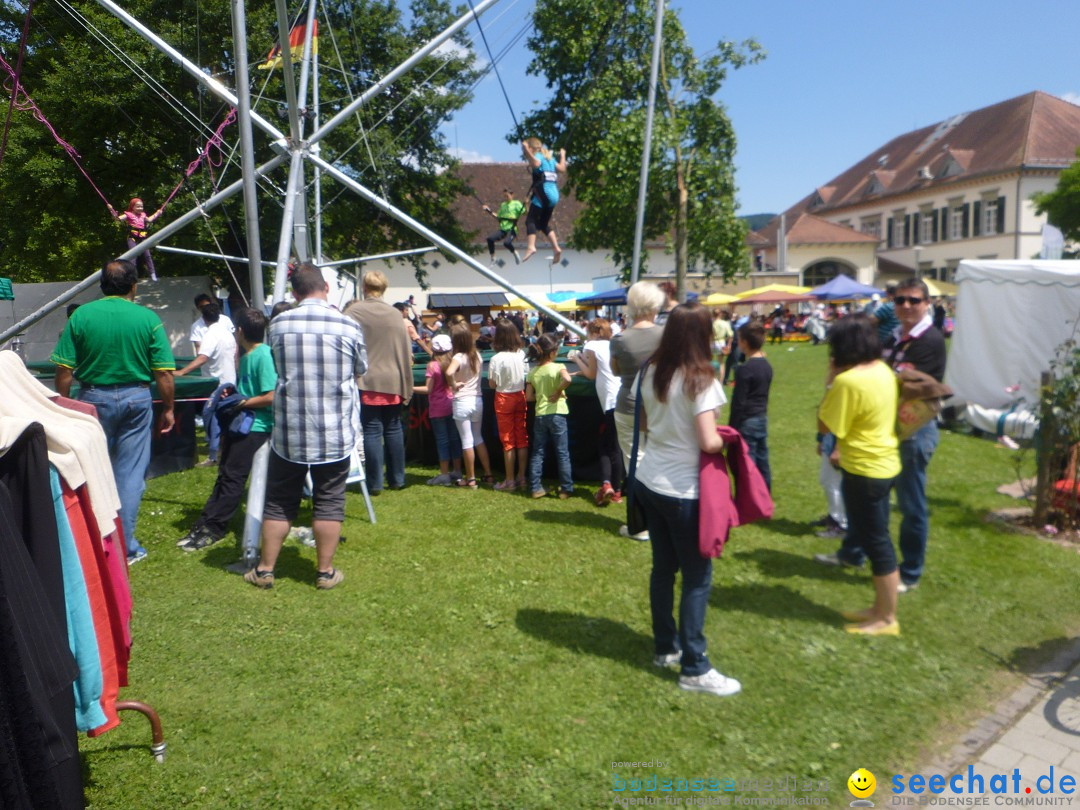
x=544, y=194
x=138, y=222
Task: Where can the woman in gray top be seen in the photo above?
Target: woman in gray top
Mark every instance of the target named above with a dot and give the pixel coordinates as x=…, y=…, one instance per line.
x=629, y=350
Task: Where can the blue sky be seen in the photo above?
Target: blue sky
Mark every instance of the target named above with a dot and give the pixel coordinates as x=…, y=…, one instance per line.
x=841, y=78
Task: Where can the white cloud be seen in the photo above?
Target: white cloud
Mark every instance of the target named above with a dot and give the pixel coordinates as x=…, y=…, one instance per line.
x=452, y=50
x=1072, y=98
x=470, y=155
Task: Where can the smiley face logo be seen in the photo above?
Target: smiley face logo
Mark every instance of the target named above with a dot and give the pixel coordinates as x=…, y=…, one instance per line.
x=862, y=784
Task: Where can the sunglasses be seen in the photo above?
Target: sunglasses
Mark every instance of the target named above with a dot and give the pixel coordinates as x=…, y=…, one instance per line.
x=907, y=299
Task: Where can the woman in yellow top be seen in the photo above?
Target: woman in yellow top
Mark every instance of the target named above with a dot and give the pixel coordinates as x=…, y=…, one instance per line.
x=860, y=409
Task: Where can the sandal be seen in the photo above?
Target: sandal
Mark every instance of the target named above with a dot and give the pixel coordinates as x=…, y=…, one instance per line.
x=506, y=486
x=488, y=479
x=467, y=482
x=260, y=578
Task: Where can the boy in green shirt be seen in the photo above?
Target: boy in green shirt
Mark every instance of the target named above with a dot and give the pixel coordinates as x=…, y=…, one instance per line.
x=509, y=213
x=256, y=382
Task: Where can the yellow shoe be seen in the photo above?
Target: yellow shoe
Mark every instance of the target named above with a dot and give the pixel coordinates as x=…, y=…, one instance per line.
x=888, y=630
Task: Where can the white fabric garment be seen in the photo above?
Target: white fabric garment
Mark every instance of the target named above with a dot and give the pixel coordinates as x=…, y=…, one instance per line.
x=670, y=464
x=198, y=328
x=76, y=442
x=219, y=346
x=607, y=384
x=506, y=371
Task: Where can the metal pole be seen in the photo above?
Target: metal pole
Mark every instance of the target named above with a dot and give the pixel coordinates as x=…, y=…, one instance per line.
x=247, y=154
x=395, y=254
x=151, y=241
x=449, y=247
x=643, y=183
x=316, y=149
x=305, y=59
x=287, y=73
x=296, y=174
x=215, y=87
x=397, y=72
x=205, y=255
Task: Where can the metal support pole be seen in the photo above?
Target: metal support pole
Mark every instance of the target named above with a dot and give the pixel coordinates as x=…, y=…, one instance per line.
x=449, y=247
x=287, y=73
x=643, y=183
x=247, y=154
x=381, y=85
x=212, y=84
x=203, y=254
x=305, y=60
x=151, y=241
x=316, y=149
x=393, y=255
x=296, y=174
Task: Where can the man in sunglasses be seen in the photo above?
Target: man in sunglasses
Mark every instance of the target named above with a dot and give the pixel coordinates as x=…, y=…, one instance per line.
x=915, y=344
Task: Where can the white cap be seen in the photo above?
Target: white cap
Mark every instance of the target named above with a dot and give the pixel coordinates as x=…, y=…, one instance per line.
x=441, y=343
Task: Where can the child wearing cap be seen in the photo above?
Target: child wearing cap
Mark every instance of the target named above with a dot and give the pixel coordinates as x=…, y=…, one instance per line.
x=440, y=412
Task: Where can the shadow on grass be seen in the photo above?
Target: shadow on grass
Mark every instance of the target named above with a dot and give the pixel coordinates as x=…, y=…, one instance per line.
x=785, y=565
x=291, y=564
x=590, y=635
x=608, y=522
x=791, y=528
x=773, y=602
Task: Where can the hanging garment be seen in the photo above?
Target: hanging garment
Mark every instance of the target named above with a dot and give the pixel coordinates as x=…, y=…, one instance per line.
x=720, y=512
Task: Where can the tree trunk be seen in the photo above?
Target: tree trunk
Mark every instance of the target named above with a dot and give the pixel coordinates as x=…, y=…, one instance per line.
x=680, y=232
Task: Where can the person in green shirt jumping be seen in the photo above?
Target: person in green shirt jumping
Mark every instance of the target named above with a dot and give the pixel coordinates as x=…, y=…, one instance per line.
x=508, y=215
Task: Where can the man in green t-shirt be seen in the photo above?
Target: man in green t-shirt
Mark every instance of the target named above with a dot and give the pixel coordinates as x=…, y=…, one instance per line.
x=509, y=214
x=115, y=349
x=255, y=383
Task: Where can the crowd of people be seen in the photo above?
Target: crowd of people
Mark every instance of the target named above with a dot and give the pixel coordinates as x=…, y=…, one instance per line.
x=314, y=382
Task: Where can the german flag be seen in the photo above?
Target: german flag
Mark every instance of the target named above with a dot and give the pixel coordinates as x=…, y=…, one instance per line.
x=296, y=46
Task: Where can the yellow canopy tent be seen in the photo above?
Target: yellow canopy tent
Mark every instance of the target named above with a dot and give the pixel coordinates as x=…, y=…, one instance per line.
x=716, y=300
x=939, y=289
x=793, y=289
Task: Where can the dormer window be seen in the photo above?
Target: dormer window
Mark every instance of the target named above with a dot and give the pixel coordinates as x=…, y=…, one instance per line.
x=952, y=168
x=874, y=186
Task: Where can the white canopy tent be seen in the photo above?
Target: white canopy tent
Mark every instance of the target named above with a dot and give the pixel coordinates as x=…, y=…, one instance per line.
x=1011, y=316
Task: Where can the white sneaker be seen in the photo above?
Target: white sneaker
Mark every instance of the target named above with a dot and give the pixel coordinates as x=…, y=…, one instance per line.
x=643, y=537
x=671, y=659
x=712, y=682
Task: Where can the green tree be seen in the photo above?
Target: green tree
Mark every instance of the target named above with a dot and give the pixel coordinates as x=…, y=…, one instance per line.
x=136, y=137
x=595, y=59
x=1062, y=205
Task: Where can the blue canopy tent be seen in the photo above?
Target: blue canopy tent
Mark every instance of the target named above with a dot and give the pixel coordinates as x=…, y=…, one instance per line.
x=844, y=288
x=607, y=298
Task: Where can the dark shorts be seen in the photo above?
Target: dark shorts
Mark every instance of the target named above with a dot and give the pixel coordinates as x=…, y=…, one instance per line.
x=538, y=219
x=285, y=485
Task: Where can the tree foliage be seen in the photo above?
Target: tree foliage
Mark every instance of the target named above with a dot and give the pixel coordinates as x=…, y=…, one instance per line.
x=595, y=58
x=1062, y=205
x=134, y=141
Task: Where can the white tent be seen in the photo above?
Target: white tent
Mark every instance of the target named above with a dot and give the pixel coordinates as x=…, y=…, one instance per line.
x=1011, y=316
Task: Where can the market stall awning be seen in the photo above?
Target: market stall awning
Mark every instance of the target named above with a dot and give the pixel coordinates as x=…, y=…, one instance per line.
x=453, y=301
x=607, y=298
x=844, y=288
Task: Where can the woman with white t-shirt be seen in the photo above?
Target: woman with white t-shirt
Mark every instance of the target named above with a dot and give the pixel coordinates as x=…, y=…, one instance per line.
x=594, y=362
x=680, y=402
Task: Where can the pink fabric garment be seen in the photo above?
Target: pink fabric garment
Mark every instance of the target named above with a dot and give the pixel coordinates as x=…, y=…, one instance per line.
x=75, y=405
x=115, y=579
x=718, y=511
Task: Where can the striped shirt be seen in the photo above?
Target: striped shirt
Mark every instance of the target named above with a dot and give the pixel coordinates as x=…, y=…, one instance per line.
x=318, y=353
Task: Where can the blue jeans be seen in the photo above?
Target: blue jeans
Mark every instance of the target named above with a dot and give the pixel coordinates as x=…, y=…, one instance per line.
x=126, y=414
x=915, y=455
x=553, y=427
x=210, y=422
x=382, y=429
x=755, y=432
x=867, y=503
x=673, y=533
x=447, y=441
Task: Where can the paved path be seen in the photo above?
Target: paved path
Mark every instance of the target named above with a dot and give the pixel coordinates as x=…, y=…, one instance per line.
x=1034, y=729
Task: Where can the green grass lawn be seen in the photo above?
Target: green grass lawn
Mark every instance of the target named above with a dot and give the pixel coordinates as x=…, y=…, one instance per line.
x=488, y=650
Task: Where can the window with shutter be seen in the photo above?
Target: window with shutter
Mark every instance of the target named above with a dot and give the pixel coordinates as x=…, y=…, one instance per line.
x=944, y=231
x=976, y=222
x=1001, y=215
x=967, y=211
x=889, y=231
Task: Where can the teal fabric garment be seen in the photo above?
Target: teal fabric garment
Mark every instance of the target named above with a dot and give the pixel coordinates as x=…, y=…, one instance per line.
x=80, y=621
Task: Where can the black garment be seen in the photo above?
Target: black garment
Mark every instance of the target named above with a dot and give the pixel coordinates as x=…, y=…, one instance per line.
x=237, y=456
x=734, y=358
x=751, y=395
x=939, y=317
x=611, y=460
x=538, y=220
x=506, y=237
x=39, y=762
x=926, y=353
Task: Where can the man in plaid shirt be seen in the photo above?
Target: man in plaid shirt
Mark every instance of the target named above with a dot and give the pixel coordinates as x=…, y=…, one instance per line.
x=318, y=353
